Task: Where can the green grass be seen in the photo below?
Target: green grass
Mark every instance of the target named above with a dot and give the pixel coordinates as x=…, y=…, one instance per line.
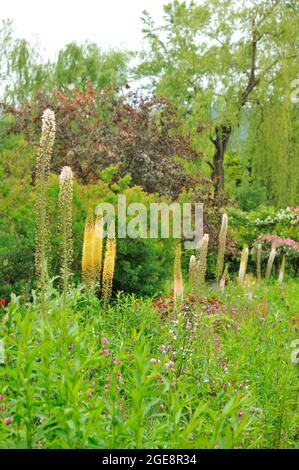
x=217, y=374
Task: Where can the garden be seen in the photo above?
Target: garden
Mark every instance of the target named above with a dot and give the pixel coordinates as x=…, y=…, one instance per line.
x=148, y=341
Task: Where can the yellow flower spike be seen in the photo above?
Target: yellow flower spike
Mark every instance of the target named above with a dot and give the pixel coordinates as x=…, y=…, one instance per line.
x=98, y=249
x=109, y=264
x=88, y=252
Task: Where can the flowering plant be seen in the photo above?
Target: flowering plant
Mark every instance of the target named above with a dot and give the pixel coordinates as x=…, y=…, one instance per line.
x=286, y=246
x=290, y=215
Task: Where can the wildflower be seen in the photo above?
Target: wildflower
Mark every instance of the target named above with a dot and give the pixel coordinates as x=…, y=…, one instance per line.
x=155, y=361
x=106, y=386
x=116, y=362
x=1, y=397
x=8, y=420
x=105, y=352
x=241, y=413
x=162, y=406
x=104, y=340
x=169, y=364
x=119, y=377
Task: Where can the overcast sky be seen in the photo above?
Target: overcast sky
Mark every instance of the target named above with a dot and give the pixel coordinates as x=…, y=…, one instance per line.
x=109, y=23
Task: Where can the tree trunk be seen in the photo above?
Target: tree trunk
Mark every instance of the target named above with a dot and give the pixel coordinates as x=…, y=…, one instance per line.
x=220, y=142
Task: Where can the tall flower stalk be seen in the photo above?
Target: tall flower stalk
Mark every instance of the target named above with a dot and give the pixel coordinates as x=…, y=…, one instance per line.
x=201, y=254
x=221, y=248
x=282, y=269
x=249, y=283
x=98, y=249
x=178, y=285
x=270, y=263
x=65, y=225
x=42, y=183
x=88, y=253
x=223, y=279
x=192, y=272
x=259, y=262
x=109, y=264
x=243, y=264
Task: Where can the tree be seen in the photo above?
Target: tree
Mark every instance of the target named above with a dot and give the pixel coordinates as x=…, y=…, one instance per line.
x=78, y=65
x=216, y=59
x=137, y=135
x=24, y=72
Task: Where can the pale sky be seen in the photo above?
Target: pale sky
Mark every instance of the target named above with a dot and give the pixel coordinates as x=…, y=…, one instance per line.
x=109, y=23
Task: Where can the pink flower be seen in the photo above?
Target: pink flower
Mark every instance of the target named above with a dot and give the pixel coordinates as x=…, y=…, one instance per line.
x=162, y=406
x=104, y=341
x=155, y=361
x=169, y=364
x=241, y=413
x=7, y=420
x=105, y=352
x=1, y=397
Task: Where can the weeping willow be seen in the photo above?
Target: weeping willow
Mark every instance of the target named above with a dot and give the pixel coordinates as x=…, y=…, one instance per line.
x=273, y=145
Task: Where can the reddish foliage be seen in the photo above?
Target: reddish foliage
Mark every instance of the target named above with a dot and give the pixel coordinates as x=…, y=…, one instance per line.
x=140, y=135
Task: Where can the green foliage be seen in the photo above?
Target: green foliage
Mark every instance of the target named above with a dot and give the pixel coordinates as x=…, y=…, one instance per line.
x=238, y=70
x=142, y=264
x=130, y=377
x=250, y=195
x=24, y=72
x=77, y=65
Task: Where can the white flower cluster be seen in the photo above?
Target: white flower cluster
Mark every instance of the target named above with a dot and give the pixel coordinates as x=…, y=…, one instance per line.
x=66, y=174
x=287, y=215
x=48, y=129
